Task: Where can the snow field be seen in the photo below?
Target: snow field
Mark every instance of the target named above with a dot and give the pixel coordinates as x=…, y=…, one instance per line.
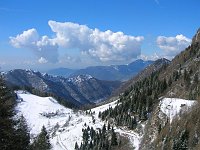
x=172, y=106
x=65, y=125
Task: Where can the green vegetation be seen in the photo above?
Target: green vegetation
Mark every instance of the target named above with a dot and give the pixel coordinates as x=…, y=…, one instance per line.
x=137, y=102
x=14, y=134
x=182, y=133
x=42, y=141
x=103, y=139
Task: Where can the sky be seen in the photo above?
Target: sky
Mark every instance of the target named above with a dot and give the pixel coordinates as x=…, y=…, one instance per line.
x=46, y=34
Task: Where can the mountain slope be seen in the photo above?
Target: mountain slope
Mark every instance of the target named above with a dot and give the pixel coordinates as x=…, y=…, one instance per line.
x=183, y=72
x=80, y=90
x=63, y=125
x=143, y=102
x=155, y=66
x=115, y=72
x=162, y=119
x=183, y=75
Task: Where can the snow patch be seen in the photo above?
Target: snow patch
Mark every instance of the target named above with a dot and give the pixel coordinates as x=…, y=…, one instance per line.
x=172, y=106
x=80, y=78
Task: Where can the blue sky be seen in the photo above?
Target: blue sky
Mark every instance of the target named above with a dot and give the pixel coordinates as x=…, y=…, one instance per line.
x=74, y=34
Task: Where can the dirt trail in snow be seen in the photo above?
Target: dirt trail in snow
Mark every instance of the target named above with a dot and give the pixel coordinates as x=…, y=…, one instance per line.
x=61, y=143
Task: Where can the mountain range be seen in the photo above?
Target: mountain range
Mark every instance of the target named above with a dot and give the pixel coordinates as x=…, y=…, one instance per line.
x=109, y=73
x=79, y=90
x=155, y=66
x=158, y=109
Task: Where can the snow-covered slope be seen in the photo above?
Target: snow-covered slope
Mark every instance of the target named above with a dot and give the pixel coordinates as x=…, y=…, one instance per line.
x=64, y=125
x=172, y=106
x=167, y=110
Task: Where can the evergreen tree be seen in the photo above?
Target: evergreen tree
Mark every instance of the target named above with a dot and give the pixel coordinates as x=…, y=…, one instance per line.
x=42, y=141
x=23, y=136
x=76, y=146
x=181, y=143
x=7, y=130
x=113, y=138
x=108, y=126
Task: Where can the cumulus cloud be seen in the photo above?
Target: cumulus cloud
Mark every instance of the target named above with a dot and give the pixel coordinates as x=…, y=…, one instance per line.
x=173, y=45
x=26, y=39
x=102, y=45
x=105, y=46
x=43, y=47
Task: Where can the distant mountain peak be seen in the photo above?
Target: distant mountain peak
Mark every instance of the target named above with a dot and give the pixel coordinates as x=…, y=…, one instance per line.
x=78, y=90
x=114, y=72
x=162, y=61
x=80, y=78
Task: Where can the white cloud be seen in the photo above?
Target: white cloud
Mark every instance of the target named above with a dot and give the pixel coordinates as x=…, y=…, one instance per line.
x=28, y=38
x=42, y=60
x=43, y=47
x=106, y=46
x=173, y=45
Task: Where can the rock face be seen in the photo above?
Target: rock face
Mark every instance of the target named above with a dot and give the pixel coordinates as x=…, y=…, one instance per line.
x=196, y=38
x=80, y=90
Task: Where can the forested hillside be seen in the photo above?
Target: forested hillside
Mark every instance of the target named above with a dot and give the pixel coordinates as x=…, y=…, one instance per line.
x=13, y=132
x=183, y=131
x=178, y=79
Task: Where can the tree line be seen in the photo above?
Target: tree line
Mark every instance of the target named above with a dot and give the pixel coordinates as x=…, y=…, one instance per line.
x=102, y=139
x=14, y=131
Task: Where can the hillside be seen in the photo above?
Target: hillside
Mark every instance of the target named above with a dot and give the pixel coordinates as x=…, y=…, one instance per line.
x=80, y=90
x=155, y=66
x=183, y=75
x=63, y=125
x=144, y=101
x=183, y=72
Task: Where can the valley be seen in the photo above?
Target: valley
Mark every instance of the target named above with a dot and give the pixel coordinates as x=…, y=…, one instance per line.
x=65, y=125
x=99, y=75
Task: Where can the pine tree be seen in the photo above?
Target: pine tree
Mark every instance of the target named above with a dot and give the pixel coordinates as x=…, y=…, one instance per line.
x=104, y=129
x=7, y=131
x=76, y=146
x=108, y=128
x=42, y=141
x=23, y=136
x=113, y=138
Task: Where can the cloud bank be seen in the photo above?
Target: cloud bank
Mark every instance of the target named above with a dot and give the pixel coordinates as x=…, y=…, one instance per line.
x=173, y=45
x=43, y=47
x=104, y=46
